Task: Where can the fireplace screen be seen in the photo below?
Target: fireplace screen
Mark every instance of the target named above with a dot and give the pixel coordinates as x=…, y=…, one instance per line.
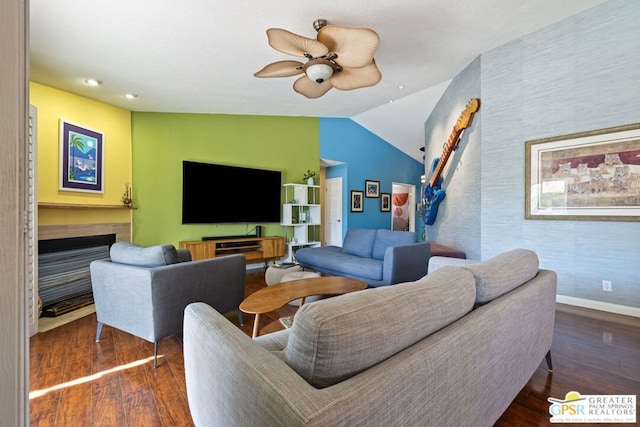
x=64, y=280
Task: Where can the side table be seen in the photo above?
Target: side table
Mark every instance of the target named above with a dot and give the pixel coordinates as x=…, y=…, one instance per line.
x=274, y=275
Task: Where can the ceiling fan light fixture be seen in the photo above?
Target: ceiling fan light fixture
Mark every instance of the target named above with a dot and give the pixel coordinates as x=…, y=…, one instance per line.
x=319, y=70
x=339, y=57
x=319, y=24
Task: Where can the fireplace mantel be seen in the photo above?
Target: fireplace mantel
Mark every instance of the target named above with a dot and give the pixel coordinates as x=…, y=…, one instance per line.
x=45, y=205
x=122, y=230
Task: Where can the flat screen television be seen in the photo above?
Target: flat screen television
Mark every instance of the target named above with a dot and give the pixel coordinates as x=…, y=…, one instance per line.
x=213, y=193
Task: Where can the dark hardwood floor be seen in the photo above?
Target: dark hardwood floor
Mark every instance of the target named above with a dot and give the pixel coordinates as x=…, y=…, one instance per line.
x=78, y=382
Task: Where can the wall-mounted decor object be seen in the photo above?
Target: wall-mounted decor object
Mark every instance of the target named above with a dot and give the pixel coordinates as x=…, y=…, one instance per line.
x=372, y=188
x=81, y=158
x=433, y=193
x=127, y=201
x=385, y=202
x=592, y=175
x=357, y=201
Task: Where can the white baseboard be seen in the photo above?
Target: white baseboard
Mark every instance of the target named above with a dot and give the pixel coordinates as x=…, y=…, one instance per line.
x=599, y=305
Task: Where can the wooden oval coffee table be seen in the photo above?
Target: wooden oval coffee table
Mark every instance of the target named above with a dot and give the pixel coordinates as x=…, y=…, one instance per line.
x=274, y=297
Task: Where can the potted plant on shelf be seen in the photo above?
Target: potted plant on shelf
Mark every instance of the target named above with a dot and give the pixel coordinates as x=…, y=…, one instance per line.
x=127, y=201
x=309, y=177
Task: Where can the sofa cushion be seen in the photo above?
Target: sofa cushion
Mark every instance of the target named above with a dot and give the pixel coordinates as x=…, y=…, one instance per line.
x=184, y=255
x=386, y=238
x=141, y=256
x=497, y=276
x=332, y=260
x=336, y=338
x=359, y=242
x=274, y=342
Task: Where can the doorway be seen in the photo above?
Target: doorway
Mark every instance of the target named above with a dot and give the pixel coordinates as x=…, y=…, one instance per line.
x=333, y=212
x=403, y=214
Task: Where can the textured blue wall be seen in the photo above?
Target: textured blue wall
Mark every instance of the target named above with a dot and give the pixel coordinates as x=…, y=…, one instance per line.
x=365, y=156
x=578, y=75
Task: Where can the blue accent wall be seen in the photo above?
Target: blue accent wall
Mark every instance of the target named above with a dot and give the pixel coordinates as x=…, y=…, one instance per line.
x=578, y=75
x=365, y=156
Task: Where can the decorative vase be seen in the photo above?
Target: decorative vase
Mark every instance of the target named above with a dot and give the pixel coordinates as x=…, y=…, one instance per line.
x=310, y=181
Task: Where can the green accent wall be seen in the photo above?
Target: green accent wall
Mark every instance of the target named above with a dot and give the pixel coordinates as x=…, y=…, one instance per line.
x=161, y=141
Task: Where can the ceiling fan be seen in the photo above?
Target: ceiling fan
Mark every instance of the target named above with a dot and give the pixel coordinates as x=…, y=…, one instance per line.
x=341, y=57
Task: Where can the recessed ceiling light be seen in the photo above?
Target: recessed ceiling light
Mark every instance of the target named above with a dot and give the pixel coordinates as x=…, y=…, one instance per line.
x=93, y=82
x=130, y=96
x=400, y=86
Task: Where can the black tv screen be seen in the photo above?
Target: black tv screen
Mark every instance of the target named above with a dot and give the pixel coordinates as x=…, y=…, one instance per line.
x=214, y=193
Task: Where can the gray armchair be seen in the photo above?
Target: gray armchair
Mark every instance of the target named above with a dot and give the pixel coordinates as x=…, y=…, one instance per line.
x=144, y=290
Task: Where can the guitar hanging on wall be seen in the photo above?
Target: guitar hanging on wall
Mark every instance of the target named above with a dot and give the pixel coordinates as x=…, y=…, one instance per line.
x=433, y=194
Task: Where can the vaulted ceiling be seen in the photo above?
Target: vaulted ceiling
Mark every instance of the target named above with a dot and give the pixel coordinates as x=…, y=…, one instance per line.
x=200, y=55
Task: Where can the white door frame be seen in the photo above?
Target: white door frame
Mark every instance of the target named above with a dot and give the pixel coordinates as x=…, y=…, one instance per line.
x=14, y=102
x=411, y=204
x=333, y=211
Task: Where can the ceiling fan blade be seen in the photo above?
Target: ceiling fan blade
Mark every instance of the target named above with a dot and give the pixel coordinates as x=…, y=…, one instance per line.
x=355, y=46
x=354, y=78
x=281, y=69
x=311, y=89
x=292, y=44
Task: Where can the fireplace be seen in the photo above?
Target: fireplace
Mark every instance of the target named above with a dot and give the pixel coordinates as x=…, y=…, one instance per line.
x=64, y=280
x=77, y=235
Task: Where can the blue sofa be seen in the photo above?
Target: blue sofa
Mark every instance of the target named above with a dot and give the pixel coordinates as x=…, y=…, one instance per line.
x=377, y=257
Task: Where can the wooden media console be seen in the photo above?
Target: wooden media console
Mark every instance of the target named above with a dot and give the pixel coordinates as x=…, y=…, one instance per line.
x=255, y=249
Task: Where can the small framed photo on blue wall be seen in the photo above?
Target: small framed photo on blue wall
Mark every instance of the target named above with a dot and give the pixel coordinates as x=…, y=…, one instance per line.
x=371, y=188
x=385, y=202
x=357, y=203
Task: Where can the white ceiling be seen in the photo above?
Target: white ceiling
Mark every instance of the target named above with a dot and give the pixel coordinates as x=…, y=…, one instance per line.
x=200, y=55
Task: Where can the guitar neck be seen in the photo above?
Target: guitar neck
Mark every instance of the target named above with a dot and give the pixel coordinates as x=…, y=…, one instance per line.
x=463, y=122
x=444, y=157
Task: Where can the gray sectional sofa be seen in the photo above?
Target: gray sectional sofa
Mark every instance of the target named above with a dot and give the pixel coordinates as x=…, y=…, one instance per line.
x=451, y=349
x=377, y=257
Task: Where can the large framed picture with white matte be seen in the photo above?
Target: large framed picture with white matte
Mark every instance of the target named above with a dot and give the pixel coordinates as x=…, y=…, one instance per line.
x=81, y=158
x=592, y=175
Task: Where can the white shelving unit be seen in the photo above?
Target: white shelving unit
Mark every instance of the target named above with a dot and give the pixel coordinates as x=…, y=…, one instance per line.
x=301, y=217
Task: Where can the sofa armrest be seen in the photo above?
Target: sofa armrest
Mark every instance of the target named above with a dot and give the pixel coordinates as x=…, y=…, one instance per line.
x=122, y=296
x=232, y=380
x=405, y=263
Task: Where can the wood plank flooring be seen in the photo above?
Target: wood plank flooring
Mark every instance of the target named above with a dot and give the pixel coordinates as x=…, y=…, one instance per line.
x=78, y=382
